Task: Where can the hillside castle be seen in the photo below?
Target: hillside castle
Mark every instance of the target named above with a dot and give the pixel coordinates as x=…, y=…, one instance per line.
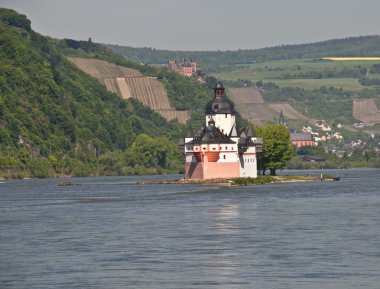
x=217, y=151
x=182, y=67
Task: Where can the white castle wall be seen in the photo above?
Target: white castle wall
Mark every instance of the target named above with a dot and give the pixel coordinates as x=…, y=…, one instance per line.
x=223, y=121
x=248, y=163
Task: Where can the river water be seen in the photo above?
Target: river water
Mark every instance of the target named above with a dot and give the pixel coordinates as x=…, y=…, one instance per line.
x=109, y=232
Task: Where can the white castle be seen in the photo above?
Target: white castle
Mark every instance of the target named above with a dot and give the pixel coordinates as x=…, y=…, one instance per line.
x=217, y=151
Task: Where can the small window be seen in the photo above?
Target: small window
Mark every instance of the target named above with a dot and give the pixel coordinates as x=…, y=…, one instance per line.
x=226, y=148
x=225, y=115
x=224, y=157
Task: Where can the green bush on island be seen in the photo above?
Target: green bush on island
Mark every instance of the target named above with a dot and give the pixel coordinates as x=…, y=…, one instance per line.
x=253, y=181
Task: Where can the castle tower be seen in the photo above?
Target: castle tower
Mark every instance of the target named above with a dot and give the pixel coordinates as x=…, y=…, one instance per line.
x=193, y=64
x=221, y=110
x=217, y=151
x=248, y=148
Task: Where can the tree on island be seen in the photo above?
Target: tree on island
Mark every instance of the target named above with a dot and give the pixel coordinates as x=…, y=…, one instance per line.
x=277, y=149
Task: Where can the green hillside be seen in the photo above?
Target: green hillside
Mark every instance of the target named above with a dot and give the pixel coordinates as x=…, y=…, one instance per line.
x=295, y=74
x=56, y=120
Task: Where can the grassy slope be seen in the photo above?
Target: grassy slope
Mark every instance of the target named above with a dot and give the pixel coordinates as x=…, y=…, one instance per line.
x=312, y=77
x=276, y=71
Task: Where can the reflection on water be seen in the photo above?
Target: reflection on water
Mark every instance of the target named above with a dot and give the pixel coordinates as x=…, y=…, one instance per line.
x=220, y=264
x=111, y=233
x=226, y=212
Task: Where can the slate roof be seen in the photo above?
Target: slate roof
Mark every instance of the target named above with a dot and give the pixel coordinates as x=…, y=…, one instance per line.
x=190, y=133
x=211, y=135
x=300, y=136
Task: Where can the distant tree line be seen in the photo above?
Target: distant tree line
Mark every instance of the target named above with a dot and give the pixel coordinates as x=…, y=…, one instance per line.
x=220, y=60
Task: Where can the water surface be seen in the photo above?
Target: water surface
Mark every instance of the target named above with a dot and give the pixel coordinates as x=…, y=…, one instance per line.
x=109, y=232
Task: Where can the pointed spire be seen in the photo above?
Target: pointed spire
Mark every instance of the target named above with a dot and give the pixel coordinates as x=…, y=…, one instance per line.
x=233, y=132
x=281, y=120
x=250, y=131
x=190, y=133
x=243, y=134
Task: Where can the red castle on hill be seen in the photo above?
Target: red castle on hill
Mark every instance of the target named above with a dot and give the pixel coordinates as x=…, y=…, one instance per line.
x=182, y=67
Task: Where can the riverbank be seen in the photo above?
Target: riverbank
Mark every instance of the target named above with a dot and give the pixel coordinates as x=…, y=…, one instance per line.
x=245, y=181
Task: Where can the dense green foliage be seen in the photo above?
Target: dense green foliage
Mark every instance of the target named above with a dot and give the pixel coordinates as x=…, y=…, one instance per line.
x=12, y=18
x=276, y=148
x=212, y=61
x=54, y=119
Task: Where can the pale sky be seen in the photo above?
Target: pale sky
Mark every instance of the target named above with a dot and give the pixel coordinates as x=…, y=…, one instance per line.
x=201, y=24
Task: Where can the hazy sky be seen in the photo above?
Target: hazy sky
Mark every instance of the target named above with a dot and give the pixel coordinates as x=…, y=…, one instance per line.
x=201, y=24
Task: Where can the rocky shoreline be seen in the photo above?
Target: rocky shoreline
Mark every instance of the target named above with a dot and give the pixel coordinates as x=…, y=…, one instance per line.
x=239, y=181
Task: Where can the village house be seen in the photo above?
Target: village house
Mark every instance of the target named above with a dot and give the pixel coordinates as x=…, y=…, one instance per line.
x=300, y=139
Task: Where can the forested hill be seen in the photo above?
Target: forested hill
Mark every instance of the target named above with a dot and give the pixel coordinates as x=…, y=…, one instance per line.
x=56, y=119
x=209, y=60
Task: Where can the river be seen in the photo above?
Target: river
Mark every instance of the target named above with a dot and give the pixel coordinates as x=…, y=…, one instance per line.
x=109, y=232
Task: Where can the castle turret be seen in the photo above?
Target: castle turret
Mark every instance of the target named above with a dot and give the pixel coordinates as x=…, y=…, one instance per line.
x=193, y=64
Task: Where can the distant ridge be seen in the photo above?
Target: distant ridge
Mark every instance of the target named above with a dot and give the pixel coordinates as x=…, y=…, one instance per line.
x=346, y=47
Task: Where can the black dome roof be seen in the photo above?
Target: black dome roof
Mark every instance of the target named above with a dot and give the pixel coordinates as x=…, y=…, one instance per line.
x=219, y=105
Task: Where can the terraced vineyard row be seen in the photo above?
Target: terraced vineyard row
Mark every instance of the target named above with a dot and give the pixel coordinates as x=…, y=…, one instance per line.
x=111, y=85
x=102, y=69
x=367, y=111
x=128, y=83
x=250, y=103
x=149, y=91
